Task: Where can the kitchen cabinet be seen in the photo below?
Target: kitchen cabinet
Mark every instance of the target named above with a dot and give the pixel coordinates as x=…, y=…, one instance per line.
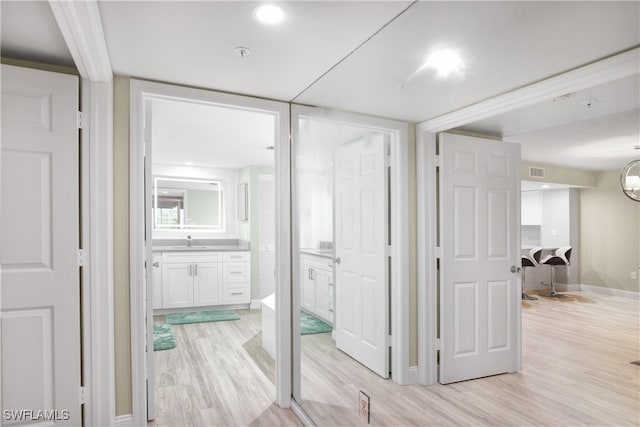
x=199, y=279
x=317, y=286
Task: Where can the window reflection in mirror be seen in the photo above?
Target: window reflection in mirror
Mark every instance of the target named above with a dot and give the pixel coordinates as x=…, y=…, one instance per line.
x=187, y=204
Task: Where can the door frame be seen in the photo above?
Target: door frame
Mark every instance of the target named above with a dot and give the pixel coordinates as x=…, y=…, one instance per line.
x=141, y=91
x=400, y=286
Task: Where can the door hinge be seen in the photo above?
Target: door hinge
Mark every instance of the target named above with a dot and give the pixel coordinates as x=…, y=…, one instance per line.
x=387, y=160
x=437, y=159
x=438, y=344
x=81, y=120
x=389, y=248
x=80, y=257
x=438, y=252
x=83, y=395
x=389, y=340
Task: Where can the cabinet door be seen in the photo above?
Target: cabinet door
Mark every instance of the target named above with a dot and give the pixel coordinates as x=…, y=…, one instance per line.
x=207, y=283
x=308, y=293
x=177, y=285
x=322, y=279
x=157, y=281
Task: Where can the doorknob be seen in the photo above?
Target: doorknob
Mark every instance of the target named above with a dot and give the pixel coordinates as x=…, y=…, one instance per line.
x=515, y=269
x=338, y=260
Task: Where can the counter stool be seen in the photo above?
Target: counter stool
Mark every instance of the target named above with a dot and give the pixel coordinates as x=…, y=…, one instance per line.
x=560, y=257
x=531, y=260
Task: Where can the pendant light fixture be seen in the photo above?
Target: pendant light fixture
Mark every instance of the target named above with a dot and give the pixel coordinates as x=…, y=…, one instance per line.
x=630, y=179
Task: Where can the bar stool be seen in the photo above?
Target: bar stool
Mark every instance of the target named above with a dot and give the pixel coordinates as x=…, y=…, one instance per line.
x=561, y=256
x=531, y=260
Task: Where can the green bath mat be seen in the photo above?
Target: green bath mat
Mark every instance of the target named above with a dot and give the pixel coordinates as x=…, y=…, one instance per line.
x=312, y=325
x=163, y=338
x=201, y=317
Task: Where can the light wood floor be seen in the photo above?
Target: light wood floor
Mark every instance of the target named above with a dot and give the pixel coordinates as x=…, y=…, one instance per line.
x=211, y=379
x=576, y=371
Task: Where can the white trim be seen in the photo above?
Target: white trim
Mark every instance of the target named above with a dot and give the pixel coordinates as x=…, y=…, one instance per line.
x=123, y=420
x=97, y=243
x=414, y=375
x=81, y=27
x=256, y=304
x=139, y=92
x=399, y=231
x=427, y=257
x=608, y=291
x=606, y=70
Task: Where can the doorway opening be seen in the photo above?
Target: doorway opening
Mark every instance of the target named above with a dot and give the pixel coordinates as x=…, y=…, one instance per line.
x=209, y=218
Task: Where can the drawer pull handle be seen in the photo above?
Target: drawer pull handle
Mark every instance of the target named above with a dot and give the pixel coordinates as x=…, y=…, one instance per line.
x=237, y=293
x=236, y=272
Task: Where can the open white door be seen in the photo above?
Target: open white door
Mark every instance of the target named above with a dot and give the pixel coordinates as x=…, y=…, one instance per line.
x=267, y=234
x=480, y=243
x=361, y=241
x=40, y=241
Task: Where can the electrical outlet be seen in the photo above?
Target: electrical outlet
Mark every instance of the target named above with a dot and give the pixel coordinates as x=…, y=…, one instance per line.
x=634, y=275
x=364, y=406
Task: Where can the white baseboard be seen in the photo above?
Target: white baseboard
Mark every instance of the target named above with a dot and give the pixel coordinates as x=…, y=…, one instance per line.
x=610, y=291
x=413, y=376
x=124, y=420
x=256, y=304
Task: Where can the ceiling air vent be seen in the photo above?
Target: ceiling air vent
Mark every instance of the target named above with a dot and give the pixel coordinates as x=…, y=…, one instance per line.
x=535, y=172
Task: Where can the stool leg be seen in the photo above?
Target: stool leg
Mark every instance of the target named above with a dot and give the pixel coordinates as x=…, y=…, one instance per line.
x=524, y=282
x=553, y=293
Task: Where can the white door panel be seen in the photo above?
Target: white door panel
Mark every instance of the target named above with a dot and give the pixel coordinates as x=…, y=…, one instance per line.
x=361, y=239
x=267, y=234
x=40, y=238
x=479, y=223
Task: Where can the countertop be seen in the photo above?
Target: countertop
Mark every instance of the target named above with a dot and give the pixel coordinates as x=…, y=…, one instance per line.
x=199, y=248
x=325, y=253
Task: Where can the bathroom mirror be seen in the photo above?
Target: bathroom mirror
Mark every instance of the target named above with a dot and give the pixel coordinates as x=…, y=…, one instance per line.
x=186, y=204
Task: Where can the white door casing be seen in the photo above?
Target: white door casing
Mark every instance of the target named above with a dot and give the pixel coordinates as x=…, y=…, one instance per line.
x=480, y=244
x=361, y=241
x=41, y=367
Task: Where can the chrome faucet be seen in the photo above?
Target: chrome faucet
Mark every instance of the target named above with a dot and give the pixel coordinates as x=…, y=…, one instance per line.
x=188, y=241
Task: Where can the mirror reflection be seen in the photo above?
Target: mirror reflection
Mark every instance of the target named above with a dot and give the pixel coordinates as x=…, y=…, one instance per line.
x=186, y=204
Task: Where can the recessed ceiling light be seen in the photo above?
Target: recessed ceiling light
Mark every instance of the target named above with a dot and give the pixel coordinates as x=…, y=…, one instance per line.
x=269, y=14
x=188, y=163
x=545, y=186
x=445, y=62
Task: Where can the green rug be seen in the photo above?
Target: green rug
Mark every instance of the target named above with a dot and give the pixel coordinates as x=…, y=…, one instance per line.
x=312, y=325
x=163, y=338
x=201, y=317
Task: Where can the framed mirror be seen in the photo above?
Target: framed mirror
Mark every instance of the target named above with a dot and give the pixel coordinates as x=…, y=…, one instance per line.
x=187, y=204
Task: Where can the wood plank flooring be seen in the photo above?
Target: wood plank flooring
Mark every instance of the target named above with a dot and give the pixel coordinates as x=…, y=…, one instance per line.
x=210, y=379
x=576, y=371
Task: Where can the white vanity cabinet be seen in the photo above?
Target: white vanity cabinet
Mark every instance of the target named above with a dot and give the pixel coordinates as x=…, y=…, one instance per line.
x=317, y=286
x=156, y=277
x=198, y=279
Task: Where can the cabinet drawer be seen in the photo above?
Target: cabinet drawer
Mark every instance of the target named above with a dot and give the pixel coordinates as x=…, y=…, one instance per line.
x=235, y=272
x=236, y=294
x=235, y=256
x=192, y=257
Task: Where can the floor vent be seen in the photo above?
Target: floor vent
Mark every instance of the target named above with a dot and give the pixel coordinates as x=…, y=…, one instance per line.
x=535, y=172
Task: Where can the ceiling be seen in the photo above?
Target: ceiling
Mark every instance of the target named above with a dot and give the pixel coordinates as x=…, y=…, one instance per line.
x=365, y=56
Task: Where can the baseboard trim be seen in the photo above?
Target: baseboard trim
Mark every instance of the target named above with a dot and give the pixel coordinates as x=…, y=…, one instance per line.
x=611, y=291
x=256, y=304
x=124, y=420
x=413, y=375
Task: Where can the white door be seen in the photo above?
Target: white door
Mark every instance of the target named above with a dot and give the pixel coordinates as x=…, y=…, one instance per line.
x=480, y=244
x=361, y=240
x=40, y=239
x=267, y=234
